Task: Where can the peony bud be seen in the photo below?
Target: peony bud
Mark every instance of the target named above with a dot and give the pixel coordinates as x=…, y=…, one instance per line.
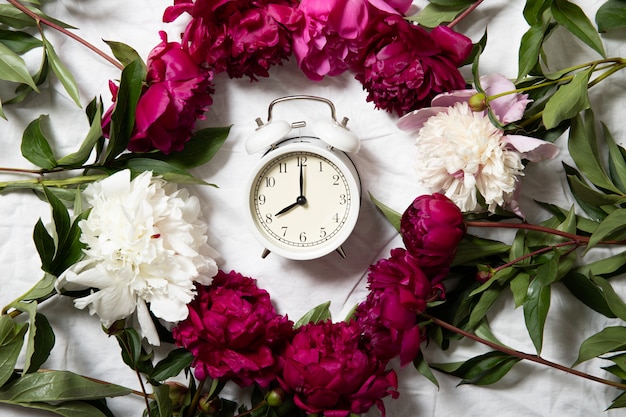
x=177, y=394
x=209, y=406
x=478, y=102
x=275, y=397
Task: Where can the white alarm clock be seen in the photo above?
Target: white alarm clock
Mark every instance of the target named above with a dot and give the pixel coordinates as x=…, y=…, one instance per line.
x=304, y=194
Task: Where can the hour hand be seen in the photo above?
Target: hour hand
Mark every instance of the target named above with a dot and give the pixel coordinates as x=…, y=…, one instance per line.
x=300, y=201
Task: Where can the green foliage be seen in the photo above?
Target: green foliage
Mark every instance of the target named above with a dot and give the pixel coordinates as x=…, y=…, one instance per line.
x=315, y=315
x=611, y=15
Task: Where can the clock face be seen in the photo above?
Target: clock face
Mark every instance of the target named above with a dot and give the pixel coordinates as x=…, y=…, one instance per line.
x=304, y=204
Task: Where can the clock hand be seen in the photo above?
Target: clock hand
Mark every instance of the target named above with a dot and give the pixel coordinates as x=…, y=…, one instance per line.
x=301, y=180
x=300, y=201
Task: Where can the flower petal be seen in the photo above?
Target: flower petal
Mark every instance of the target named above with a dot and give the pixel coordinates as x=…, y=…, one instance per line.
x=412, y=122
x=532, y=149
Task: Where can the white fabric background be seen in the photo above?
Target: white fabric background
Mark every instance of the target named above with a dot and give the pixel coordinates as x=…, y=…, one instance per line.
x=385, y=162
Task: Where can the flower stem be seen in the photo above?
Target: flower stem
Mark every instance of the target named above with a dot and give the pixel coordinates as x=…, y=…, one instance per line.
x=66, y=32
x=464, y=14
x=525, y=356
x=191, y=411
x=534, y=227
x=537, y=252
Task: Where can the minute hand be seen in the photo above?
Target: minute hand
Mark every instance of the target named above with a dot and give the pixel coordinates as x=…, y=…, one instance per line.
x=300, y=201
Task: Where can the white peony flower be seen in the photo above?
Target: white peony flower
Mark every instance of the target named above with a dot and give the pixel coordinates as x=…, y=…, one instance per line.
x=146, y=245
x=460, y=153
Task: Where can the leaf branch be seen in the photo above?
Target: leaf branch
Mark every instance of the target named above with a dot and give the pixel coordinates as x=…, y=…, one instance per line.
x=522, y=355
x=66, y=32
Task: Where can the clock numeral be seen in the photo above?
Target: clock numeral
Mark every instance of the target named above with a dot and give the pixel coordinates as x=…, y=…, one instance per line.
x=284, y=229
x=262, y=199
x=303, y=237
x=336, y=217
x=301, y=160
x=335, y=179
x=321, y=166
x=323, y=232
x=342, y=199
x=282, y=167
x=270, y=181
x=268, y=218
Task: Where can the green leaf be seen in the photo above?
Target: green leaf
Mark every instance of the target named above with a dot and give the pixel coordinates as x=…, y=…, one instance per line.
x=13, y=68
x=164, y=169
x=61, y=71
x=611, y=15
x=130, y=343
x=487, y=298
x=473, y=248
x=534, y=9
x=70, y=250
x=42, y=290
x=35, y=147
x=393, y=216
x=537, y=301
x=434, y=15
x=11, y=341
x=609, y=339
x=484, y=369
x=613, y=300
x=58, y=386
x=79, y=157
x=44, y=244
x=530, y=48
x=40, y=341
x=583, y=147
x=611, y=265
x=573, y=18
x=422, y=367
x=612, y=224
x=617, y=164
x=569, y=100
x=590, y=199
x=65, y=409
x=172, y=365
x=619, y=401
x=163, y=401
x=23, y=90
x=19, y=42
x=200, y=148
x=124, y=53
x=587, y=292
x=60, y=217
x=315, y=315
x=123, y=116
x=519, y=288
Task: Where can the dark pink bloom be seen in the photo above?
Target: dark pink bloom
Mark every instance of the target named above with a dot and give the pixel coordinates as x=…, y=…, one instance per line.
x=399, y=290
x=238, y=37
x=234, y=332
x=177, y=93
x=431, y=228
x=331, y=36
x=403, y=66
x=328, y=372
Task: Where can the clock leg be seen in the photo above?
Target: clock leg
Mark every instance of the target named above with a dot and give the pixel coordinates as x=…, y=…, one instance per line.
x=265, y=253
x=341, y=252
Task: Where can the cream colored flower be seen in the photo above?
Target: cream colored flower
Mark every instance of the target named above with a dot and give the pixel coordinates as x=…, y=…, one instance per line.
x=461, y=153
x=146, y=246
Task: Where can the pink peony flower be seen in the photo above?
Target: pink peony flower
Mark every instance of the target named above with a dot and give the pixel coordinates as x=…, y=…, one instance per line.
x=399, y=289
x=328, y=372
x=330, y=37
x=431, y=228
x=178, y=93
x=239, y=37
x=462, y=154
x=403, y=67
x=233, y=332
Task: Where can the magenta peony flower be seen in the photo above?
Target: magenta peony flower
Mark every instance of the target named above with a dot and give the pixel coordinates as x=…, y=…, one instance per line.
x=331, y=36
x=431, y=228
x=399, y=289
x=237, y=36
x=178, y=93
x=403, y=67
x=233, y=332
x=328, y=372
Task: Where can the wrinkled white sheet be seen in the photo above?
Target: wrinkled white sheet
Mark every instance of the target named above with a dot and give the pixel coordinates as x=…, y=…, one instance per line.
x=385, y=162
